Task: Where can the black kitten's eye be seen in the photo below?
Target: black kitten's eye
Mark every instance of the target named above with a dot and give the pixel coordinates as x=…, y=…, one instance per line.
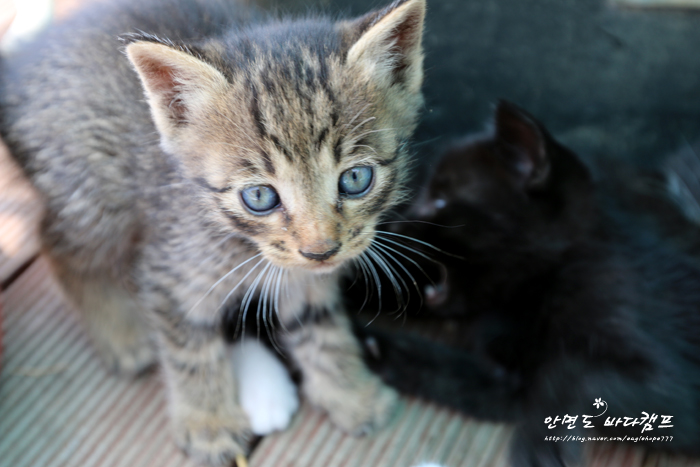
x=260, y=199
x=356, y=181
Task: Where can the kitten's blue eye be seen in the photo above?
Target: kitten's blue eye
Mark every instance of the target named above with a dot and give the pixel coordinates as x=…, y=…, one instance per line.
x=356, y=181
x=260, y=199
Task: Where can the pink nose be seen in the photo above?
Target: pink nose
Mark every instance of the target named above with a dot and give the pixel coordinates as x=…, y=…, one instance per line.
x=320, y=251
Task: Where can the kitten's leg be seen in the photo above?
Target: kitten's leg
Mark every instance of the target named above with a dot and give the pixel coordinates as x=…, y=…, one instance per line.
x=209, y=425
x=91, y=237
x=335, y=377
x=114, y=319
x=454, y=377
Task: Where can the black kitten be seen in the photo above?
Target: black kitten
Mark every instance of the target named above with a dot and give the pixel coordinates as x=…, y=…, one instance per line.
x=569, y=298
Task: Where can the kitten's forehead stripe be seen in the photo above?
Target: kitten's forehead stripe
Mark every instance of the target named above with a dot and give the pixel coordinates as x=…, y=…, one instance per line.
x=283, y=149
x=269, y=166
x=255, y=110
x=291, y=84
x=321, y=138
x=337, y=151
x=248, y=167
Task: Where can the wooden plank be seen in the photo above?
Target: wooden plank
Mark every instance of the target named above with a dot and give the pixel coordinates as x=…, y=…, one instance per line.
x=20, y=213
x=59, y=406
x=419, y=432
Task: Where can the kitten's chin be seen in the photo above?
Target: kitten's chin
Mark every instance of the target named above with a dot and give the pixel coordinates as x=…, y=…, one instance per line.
x=312, y=268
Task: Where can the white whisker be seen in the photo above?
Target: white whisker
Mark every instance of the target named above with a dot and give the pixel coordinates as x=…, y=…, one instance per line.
x=377, y=242
x=384, y=248
x=238, y=285
x=386, y=257
x=362, y=146
x=268, y=299
x=278, y=288
x=359, y=125
x=417, y=221
x=375, y=275
x=389, y=274
x=412, y=250
x=356, y=115
x=262, y=302
x=248, y=297
x=223, y=277
x=380, y=232
x=369, y=132
x=365, y=274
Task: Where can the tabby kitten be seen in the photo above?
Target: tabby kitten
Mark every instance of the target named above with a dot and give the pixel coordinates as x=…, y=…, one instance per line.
x=258, y=164
x=566, y=296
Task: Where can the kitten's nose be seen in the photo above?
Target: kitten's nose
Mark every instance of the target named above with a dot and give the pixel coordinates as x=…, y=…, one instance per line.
x=320, y=251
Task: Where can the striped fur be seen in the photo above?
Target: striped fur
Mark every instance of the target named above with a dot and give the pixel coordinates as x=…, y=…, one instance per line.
x=145, y=224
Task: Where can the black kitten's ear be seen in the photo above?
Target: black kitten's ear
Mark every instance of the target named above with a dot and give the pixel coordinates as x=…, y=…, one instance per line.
x=387, y=44
x=523, y=140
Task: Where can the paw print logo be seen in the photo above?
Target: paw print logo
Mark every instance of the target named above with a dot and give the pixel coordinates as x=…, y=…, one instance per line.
x=599, y=403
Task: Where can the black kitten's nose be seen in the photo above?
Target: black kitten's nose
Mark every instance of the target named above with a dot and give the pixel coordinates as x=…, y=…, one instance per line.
x=328, y=249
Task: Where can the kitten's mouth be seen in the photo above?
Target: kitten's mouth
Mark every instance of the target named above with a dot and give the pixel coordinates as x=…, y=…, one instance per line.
x=437, y=294
x=325, y=266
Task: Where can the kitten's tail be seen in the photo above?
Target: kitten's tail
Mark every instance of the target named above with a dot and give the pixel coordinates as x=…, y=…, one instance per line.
x=449, y=376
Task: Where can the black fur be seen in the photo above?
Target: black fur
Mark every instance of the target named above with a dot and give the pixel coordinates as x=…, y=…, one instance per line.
x=567, y=293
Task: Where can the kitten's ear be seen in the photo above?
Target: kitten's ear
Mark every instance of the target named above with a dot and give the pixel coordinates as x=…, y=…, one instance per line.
x=179, y=87
x=388, y=44
x=523, y=141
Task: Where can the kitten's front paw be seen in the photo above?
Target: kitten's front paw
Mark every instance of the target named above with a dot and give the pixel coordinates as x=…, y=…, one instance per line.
x=213, y=439
x=269, y=414
x=266, y=392
x=358, y=411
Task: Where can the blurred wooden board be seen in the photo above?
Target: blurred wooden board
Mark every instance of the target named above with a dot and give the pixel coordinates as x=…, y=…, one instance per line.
x=418, y=433
x=59, y=408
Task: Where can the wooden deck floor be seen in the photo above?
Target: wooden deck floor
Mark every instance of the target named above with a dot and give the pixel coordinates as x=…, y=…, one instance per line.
x=58, y=407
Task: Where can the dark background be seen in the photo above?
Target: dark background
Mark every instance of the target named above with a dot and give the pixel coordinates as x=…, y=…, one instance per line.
x=607, y=81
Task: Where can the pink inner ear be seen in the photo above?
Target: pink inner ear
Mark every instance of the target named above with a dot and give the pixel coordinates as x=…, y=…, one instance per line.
x=407, y=33
x=406, y=36
x=164, y=85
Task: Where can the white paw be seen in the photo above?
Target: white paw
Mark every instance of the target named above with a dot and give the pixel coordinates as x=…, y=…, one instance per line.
x=266, y=391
